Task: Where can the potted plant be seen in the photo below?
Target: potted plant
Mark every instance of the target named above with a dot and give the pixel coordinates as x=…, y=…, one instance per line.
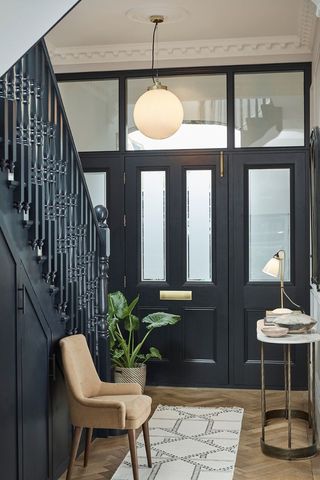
x=127, y=357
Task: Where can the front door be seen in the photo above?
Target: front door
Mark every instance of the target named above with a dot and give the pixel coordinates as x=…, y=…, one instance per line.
x=202, y=226
x=177, y=259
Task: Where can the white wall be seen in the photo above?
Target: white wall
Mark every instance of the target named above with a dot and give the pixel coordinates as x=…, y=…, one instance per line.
x=315, y=120
x=23, y=23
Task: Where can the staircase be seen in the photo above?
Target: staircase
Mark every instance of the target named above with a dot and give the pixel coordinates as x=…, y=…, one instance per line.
x=54, y=261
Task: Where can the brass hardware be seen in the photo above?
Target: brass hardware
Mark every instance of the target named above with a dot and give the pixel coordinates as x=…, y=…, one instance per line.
x=313, y=383
x=221, y=164
x=288, y=413
x=156, y=18
x=175, y=295
x=289, y=394
x=263, y=395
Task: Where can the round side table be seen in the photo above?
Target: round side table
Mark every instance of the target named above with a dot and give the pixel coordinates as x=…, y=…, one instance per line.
x=288, y=413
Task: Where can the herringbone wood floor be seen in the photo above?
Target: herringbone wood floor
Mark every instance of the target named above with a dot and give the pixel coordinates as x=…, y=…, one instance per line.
x=107, y=454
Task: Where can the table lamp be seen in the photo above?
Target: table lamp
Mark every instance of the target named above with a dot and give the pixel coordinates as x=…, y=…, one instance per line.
x=275, y=268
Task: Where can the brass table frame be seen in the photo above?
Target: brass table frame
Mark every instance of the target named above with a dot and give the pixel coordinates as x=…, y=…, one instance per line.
x=288, y=413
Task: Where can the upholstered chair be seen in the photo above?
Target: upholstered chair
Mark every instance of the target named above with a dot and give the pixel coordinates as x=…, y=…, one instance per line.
x=96, y=404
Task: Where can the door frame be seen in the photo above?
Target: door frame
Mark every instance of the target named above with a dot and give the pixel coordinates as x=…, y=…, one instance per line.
x=94, y=161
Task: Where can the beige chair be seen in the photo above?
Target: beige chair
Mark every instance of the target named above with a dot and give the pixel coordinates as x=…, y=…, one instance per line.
x=96, y=404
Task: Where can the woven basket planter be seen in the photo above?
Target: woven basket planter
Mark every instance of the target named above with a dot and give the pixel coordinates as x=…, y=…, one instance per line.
x=131, y=375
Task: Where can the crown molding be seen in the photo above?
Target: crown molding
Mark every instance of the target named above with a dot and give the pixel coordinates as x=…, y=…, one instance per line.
x=196, y=49
x=130, y=54
x=307, y=23
x=316, y=49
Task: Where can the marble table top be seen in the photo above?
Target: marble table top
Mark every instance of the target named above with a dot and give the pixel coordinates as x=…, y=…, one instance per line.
x=293, y=338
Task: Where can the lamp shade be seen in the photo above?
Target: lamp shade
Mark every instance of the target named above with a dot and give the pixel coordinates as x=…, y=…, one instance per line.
x=158, y=113
x=272, y=267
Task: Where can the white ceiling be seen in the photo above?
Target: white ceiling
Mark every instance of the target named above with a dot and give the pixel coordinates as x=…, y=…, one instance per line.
x=100, y=34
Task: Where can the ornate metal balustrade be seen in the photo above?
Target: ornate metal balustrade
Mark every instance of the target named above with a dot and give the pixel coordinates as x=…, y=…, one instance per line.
x=51, y=196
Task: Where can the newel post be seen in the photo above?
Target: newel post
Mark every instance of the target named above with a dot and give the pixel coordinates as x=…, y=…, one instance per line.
x=104, y=363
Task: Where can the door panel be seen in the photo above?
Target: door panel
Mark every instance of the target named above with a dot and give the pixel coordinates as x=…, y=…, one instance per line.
x=35, y=346
x=194, y=350
x=8, y=354
x=35, y=395
x=250, y=299
x=24, y=363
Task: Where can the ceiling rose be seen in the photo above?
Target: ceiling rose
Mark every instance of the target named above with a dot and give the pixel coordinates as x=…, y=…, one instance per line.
x=143, y=12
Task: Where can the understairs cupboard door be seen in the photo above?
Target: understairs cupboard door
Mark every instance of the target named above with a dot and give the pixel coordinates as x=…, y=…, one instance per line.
x=24, y=357
x=8, y=362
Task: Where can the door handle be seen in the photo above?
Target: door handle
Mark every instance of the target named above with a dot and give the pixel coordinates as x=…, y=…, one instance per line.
x=21, y=299
x=175, y=294
x=221, y=164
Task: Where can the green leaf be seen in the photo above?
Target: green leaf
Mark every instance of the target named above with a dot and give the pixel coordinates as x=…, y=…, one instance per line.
x=154, y=352
x=133, y=304
x=132, y=323
x=112, y=323
x=117, y=305
x=141, y=358
x=160, y=319
x=117, y=354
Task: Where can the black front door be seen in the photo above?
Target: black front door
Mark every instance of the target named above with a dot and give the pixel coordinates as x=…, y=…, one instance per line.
x=203, y=232
x=177, y=245
x=269, y=212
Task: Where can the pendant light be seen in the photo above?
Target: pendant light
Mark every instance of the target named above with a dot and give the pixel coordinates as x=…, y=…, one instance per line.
x=158, y=113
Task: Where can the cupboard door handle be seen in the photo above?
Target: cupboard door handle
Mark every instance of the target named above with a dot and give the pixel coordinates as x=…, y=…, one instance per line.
x=52, y=367
x=21, y=299
x=221, y=164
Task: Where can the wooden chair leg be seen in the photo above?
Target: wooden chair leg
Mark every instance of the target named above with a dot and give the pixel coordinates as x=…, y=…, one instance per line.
x=133, y=453
x=88, y=445
x=146, y=436
x=74, y=449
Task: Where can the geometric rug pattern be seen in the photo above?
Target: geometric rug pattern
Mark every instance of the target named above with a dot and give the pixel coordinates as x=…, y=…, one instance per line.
x=188, y=443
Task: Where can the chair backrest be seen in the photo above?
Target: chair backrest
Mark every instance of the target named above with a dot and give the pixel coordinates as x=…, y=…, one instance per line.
x=80, y=373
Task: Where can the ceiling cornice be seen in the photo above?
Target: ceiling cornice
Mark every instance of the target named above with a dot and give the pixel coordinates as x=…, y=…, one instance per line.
x=307, y=23
x=130, y=53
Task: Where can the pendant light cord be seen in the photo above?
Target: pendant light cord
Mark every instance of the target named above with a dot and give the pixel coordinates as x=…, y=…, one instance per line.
x=156, y=23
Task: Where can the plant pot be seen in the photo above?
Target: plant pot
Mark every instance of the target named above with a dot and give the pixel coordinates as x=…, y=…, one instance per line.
x=131, y=375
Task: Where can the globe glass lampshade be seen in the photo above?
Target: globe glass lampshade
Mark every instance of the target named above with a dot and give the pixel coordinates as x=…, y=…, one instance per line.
x=158, y=113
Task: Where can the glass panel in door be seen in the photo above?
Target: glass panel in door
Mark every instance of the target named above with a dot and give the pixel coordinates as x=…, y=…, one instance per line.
x=153, y=226
x=269, y=220
x=199, y=225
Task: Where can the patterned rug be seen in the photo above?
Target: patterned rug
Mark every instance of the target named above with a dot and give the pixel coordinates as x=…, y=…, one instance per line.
x=188, y=443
